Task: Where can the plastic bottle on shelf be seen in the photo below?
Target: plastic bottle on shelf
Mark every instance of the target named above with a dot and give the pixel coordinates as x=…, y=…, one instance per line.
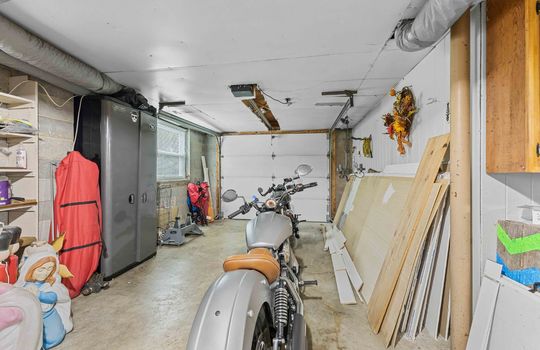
x=20, y=158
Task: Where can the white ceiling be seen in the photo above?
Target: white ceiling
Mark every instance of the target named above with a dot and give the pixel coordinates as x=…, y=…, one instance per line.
x=193, y=50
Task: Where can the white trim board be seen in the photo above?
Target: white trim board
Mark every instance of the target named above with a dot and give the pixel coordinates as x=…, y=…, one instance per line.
x=344, y=270
x=433, y=313
x=506, y=316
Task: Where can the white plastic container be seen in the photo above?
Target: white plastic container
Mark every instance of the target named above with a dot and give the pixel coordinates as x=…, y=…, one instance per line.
x=20, y=158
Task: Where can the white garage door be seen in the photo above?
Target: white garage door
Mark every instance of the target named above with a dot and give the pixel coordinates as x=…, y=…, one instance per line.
x=253, y=161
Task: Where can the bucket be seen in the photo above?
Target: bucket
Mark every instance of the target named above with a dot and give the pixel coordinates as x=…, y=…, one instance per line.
x=4, y=191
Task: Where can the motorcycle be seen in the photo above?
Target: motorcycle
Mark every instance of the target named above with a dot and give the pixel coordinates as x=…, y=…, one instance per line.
x=255, y=304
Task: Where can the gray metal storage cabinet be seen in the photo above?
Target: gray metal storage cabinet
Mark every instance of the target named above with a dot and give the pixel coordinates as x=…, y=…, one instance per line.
x=122, y=141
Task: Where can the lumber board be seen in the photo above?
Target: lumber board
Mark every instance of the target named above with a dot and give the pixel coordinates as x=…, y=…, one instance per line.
x=426, y=270
x=370, y=247
x=444, y=321
x=345, y=290
x=354, y=276
x=428, y=169
x=440, y=232
x=433, y=312
x=408, y=274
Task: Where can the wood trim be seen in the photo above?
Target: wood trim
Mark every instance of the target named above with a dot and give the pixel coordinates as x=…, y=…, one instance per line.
x=532, y=88
x=218, y=176
x=333, y=174
x=276, y=132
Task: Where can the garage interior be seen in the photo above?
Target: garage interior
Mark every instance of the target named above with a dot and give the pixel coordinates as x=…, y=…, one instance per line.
x=269, y=175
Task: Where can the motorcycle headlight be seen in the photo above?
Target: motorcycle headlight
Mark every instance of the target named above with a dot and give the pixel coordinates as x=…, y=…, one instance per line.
x=270, y=204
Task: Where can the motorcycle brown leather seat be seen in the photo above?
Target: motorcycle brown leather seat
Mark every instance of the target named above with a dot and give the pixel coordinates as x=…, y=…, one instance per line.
x=258, y=259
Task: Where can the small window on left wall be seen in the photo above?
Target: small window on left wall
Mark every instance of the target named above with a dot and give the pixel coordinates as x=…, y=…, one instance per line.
x=171, y=152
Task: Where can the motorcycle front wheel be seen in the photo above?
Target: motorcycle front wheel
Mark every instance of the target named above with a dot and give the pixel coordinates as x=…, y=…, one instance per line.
x=262, y=336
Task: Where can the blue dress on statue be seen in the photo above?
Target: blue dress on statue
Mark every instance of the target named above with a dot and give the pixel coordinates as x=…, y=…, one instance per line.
x=53, y=328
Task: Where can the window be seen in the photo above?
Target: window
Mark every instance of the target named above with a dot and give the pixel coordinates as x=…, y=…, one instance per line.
x=171, y=152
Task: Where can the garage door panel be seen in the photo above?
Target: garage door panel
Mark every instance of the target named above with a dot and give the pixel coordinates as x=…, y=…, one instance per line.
x=310, y=210
x=247, y=166
x=317, y=193
x=305, y=144
x=284, y=166
x=252, y=161
x=245, y=186
x=247, y=145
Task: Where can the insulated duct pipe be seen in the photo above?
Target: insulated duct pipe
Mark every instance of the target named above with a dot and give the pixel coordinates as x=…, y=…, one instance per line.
x=8, y=61
x=26, y=47
x=433, y=20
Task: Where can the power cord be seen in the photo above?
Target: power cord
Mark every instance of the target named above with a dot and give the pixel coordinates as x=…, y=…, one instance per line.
x=58, y=105
x=287, y=99
x=46, y=93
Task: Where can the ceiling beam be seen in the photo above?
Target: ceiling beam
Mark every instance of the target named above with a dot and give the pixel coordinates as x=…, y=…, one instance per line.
x=260, y=108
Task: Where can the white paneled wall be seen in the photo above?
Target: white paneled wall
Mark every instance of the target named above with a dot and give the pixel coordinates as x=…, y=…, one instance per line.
x=495, y=197
x=430, y=81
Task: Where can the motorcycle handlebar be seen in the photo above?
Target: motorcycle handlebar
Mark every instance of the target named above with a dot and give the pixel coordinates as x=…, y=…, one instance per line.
x=236, y=213
x=311, y=184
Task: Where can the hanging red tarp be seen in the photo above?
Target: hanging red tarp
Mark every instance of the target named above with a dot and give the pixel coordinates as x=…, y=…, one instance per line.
x=77, y=215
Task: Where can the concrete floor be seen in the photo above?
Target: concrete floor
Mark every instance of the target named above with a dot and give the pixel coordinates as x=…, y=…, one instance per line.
x=152, y=306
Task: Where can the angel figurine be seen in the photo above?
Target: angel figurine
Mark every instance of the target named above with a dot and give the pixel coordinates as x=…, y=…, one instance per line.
x=41, y=273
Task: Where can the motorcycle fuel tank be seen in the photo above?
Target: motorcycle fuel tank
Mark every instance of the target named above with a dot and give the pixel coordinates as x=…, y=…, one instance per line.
x=268, y=230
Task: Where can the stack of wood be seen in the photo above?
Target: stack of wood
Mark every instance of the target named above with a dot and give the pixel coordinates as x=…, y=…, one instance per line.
x=402, y=224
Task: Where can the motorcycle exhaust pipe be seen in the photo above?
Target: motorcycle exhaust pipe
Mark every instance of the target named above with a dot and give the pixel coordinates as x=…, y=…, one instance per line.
x=299, y=336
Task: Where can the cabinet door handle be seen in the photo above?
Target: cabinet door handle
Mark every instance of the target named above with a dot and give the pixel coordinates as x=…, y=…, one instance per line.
x=131, y=198
x=144, y=197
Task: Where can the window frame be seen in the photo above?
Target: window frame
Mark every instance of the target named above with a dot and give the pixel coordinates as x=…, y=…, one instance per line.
x=174, y=128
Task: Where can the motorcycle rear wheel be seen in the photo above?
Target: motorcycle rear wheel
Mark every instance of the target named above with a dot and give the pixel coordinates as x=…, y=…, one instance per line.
x=262, y=336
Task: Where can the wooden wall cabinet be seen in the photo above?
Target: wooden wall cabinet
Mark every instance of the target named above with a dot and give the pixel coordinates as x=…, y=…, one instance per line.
x=513, y=87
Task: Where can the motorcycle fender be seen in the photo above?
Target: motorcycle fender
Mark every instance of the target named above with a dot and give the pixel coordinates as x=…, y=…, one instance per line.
x=228, y=312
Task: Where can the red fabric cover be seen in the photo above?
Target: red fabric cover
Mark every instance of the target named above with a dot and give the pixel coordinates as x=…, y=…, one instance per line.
x=9, y=269
x=77, y=214
x=203, y=200
x=193, y=192
x=198, y=194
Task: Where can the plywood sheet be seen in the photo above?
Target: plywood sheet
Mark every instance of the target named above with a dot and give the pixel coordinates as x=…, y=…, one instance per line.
x=352, y=227
x=434, y=154
x=343, y=200
x=369, y=249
